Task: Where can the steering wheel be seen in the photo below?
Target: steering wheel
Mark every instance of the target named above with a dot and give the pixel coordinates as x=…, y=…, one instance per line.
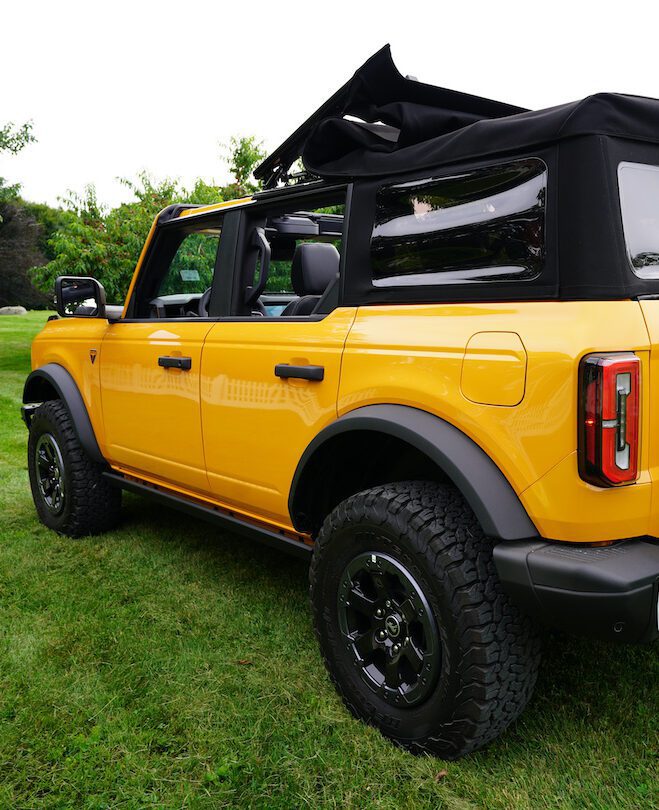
x=202, y=306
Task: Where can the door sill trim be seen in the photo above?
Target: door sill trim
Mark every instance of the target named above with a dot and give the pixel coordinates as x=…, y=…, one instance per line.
x=215, y=515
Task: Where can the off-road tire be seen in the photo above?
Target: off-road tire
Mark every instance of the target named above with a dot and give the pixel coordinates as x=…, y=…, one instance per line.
x=90, y=504
x=490, y=650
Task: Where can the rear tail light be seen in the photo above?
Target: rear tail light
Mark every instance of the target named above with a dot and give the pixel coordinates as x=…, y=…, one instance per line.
x=609, y=411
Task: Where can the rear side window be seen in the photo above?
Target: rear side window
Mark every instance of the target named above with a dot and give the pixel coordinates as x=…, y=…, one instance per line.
x=639, y=202
x=478, y=226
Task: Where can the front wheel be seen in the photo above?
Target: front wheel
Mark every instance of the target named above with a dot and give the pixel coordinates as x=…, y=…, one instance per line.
x=69, y=491
x=415, y=630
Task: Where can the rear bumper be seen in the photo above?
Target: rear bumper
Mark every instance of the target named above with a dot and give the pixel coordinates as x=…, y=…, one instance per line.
x=607, y=592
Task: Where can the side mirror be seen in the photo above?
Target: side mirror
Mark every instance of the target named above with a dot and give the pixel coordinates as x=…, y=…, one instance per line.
x=79, y=297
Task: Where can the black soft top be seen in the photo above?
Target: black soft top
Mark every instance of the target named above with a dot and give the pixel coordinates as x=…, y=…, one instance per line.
x=407, y=125
x=407, y=130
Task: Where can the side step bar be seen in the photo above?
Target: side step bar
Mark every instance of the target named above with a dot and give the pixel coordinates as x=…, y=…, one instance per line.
x=215, y=516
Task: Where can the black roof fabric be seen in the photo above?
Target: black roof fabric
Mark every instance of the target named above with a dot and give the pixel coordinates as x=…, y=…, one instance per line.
x=377, y=92
x=340, y=148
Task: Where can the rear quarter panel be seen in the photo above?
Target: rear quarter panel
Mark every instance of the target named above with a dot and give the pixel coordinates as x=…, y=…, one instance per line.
x=414, y=355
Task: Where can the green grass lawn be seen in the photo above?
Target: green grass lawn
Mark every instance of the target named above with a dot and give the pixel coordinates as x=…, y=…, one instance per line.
x=167, y=665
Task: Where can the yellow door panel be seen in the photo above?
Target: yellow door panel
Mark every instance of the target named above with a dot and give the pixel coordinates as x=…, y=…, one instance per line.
x=151, y=412
x=494, y=369
x=257, y=425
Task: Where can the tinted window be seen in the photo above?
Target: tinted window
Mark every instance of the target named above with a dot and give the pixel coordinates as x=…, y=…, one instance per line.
x=639, y=201
x=482, y=225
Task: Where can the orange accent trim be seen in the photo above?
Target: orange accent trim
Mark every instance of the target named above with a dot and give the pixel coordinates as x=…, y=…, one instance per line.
x=205, y=209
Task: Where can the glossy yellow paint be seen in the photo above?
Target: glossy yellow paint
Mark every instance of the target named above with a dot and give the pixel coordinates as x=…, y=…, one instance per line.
x=68, y=342
x=414, y=355
x=151, y=414
x=256, y=425
x=494, y=369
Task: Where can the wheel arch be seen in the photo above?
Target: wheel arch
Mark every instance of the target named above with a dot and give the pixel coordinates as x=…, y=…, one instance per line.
x=399, y=436
x=53, y=381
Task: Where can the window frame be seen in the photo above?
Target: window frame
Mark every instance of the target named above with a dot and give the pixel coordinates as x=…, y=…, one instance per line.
x=166, y=237
x=270, y=203
x=392, y=193
x=358, y=288
x=631, y=164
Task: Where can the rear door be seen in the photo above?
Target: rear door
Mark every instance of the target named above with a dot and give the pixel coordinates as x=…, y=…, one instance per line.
x=256, y=424
x=270, y=381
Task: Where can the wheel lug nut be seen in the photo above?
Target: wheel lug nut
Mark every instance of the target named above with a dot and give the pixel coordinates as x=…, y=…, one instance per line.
x=382, y=635
x=396, y=648
x=379, y=613
x=406, y=640
x=388, y=603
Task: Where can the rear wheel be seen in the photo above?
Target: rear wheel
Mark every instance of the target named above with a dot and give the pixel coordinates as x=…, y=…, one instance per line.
x=415, y=630
x=69, y=491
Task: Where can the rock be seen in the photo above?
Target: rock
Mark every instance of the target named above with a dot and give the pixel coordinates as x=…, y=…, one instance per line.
x=13, y=311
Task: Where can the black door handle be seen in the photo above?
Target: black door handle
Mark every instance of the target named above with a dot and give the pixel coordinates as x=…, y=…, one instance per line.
x=184, y=363
x=314, y=373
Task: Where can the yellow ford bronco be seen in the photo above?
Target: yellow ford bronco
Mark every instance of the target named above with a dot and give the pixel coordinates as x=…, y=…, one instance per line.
x=426, y=362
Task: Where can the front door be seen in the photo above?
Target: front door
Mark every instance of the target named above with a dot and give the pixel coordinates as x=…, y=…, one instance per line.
x=151, y=364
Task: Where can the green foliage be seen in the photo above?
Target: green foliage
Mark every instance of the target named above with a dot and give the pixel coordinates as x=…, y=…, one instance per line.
x=12, y=140
x=91, y=240
x=191, y=270
x=244, y=154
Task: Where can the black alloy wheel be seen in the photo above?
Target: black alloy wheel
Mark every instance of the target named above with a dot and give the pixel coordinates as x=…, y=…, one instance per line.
x=50, y=472
x=389, y=628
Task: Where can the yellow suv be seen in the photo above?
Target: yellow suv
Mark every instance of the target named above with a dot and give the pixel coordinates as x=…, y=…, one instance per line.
x=425, y=363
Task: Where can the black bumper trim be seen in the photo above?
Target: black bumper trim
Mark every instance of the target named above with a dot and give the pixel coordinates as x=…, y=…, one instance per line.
x=607, y=592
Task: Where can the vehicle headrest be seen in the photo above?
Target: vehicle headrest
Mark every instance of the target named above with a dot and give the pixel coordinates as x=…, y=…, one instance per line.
x=315, y=266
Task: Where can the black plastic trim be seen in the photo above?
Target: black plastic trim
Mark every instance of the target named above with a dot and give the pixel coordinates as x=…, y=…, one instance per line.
x=174, y=210
x=182, y=363
x=607, y=592
x=220, y=519
x=312, y=373
x=67, y=390
x=473, y=472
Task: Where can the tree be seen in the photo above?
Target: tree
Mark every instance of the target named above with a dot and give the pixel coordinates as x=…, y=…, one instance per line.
x=243, y=155
x=21, y=234
x=12, y=140
x=94, y=241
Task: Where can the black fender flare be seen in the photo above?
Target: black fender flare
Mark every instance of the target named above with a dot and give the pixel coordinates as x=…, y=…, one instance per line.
x=485, y=488
x=56, y=376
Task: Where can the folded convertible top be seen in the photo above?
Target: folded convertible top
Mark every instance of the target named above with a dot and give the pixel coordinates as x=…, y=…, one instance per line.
x=406, y=112
x=406, y=125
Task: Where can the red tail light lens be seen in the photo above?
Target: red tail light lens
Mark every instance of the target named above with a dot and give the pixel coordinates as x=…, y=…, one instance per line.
x=609, y=411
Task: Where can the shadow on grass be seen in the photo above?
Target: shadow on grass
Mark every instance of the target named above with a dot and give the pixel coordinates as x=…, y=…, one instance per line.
x=251, y=559
x=595, y=694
